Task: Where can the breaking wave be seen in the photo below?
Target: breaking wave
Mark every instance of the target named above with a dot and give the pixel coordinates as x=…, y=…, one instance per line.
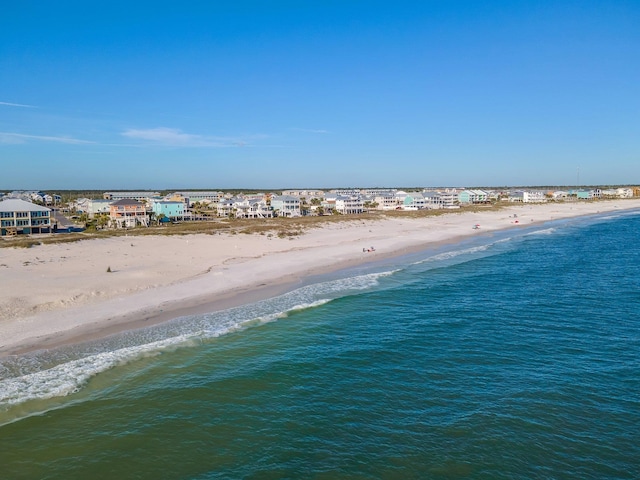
x=64, y=371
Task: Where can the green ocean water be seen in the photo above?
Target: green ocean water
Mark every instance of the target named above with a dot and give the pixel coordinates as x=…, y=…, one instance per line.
x=512, y=356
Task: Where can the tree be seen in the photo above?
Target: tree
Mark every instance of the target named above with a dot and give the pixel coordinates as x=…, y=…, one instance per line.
x=83, y=219
x=304, y=206
x=102, y=220
x=369, y=205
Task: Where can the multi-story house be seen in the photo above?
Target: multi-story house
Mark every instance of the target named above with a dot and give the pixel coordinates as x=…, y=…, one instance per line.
x=447, y=198
x=347, y=205
x=308, y=194
x=190, y=198
x=224, y=208
x=526, y=196
x=95, y=207
x=473, y=196
x=140, y=196
x=584, y=194
x=19, y=216
x=414, y=201
x=385, y=200
x=170, y=210
x=252, y=208
x=346, y=192
x=128, y=213
x=613, y=193
x=286, y=206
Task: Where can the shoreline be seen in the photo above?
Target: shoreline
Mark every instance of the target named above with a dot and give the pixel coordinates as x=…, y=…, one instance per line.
x=240, y=271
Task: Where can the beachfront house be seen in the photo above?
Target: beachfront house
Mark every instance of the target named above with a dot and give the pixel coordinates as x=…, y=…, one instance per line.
x=286, y=206
x=224, y=208
x=400, y=196
x=328, y=205
x=385, y=200
x=584, y=194
x=624, y=192
x=128, y=213
x=447, y=198
x=526, y=196
x=472, y=196
x=613, y=193
x=348, y=205
x=252, y=208
x=19, y=216
x=558, y=194
x=414, y=201
x=432, y=200
x=168, y=209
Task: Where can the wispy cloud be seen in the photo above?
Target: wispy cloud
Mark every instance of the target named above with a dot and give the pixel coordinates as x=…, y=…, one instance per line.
x=177, y=138
x=8, y=104
x=311, y=130
x=15, y=138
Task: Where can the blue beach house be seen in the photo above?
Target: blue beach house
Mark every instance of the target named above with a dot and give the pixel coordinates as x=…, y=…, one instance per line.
x=584, y=195
x=171, y=210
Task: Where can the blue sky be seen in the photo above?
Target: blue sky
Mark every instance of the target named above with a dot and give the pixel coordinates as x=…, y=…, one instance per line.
x=276, y=94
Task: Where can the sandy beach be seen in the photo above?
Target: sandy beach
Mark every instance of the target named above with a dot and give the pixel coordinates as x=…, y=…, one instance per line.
x=61, y=293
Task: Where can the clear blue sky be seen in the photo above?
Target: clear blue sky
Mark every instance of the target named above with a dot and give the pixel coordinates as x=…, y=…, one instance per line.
x=276, y=94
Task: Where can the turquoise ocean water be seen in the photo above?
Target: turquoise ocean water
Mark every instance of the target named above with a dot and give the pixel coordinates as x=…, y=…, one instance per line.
x=509, y=356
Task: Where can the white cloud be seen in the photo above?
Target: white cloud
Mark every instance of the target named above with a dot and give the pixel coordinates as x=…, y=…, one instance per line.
x=311, y=130
x=8, y=104
x=177, y=138
x=7, y=137
x=168, y=136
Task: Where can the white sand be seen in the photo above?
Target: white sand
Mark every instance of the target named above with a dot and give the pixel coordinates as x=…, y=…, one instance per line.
x=58, y=293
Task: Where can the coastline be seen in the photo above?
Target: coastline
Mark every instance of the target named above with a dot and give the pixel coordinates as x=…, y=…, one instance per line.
x=55, y=295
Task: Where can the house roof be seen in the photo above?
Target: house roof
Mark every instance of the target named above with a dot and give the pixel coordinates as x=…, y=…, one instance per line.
x=134, y=194
x=17, y=205
x=284, y=197
x=127, y=201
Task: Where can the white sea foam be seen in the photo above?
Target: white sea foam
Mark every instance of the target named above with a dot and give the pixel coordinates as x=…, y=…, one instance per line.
x=615, y=215
x=60, y=373
x=69, y=377
x=306, y=306
x=546, y=231
x=456, y=253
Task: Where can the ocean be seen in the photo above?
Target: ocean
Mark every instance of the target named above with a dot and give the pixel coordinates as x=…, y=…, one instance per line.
x=512, y=355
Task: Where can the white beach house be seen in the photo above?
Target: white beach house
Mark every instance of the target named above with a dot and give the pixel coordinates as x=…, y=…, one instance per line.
x=286, y=205
x=19, y=216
